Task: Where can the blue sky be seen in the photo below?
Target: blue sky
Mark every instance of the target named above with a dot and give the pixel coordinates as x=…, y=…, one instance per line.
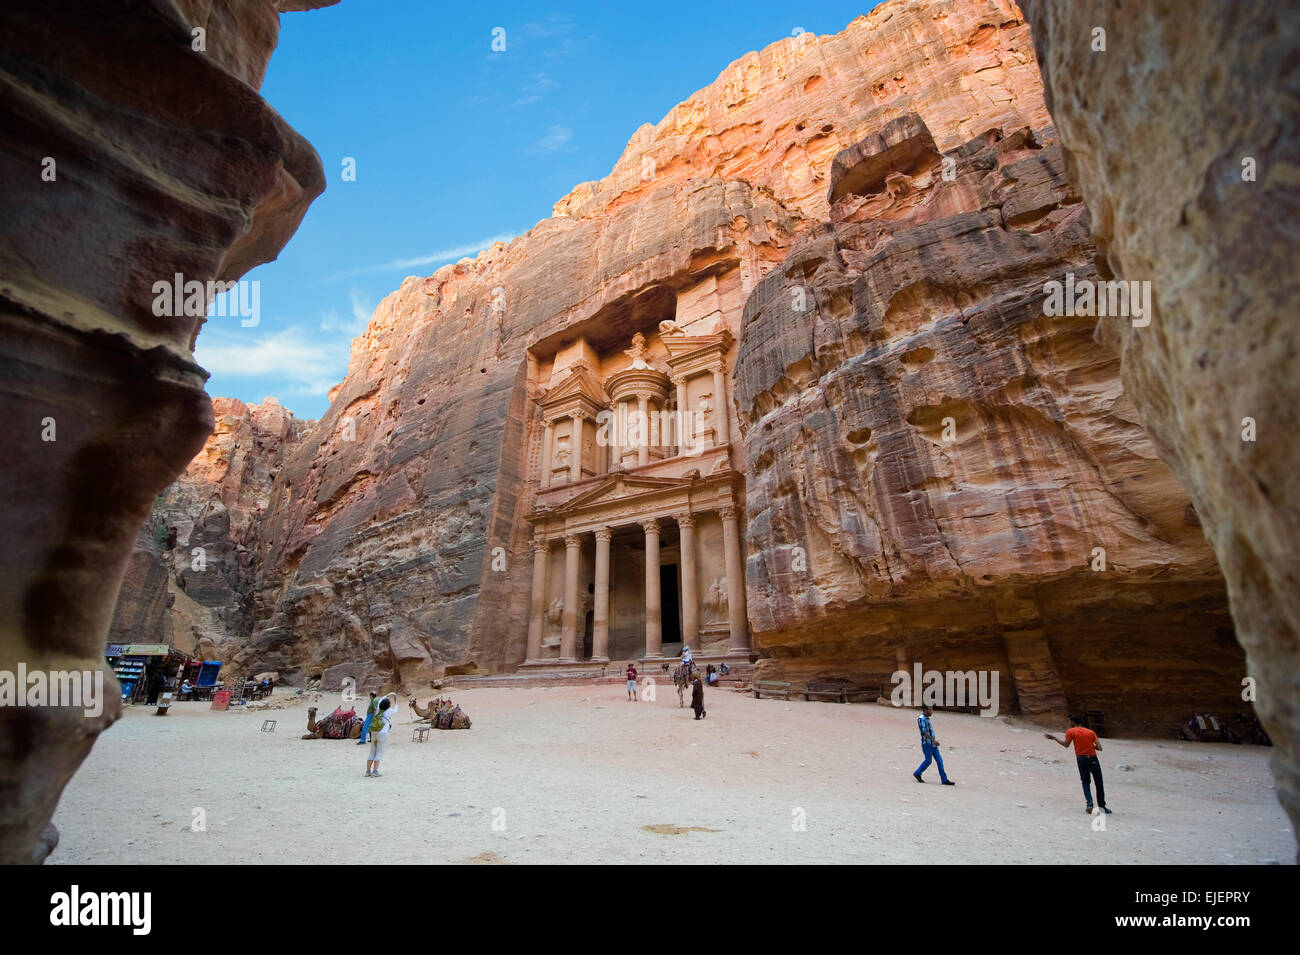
x=456, y=145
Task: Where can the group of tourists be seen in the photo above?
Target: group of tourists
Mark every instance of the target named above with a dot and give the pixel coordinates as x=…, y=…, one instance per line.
x=1085, y=742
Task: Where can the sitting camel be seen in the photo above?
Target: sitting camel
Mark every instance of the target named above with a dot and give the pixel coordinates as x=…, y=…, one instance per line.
x=341, y=724
x=441, y=714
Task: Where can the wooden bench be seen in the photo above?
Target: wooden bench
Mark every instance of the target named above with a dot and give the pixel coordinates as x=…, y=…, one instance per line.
x=774, y=689
x=831, y=691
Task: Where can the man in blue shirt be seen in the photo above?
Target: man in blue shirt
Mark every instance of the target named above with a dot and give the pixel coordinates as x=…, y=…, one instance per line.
x=930, y=747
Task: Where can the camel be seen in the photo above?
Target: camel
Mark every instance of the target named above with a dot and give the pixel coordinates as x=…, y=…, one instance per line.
x=683, y=674
x=341, y=724
x=441, y=714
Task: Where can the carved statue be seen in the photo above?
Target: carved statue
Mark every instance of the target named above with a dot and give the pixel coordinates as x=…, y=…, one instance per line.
x=555, y=612
x=704, y=416
x=638, y=351
x=560, y=460
x=715, y=598
x=669, y=327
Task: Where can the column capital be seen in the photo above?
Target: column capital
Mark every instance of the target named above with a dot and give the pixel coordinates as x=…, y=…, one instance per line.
x=679, y=379
x=541, y=544
x=572, y=540
x=729, y=512
x=651, y=525
x=604, y=534
x=578, y=416
x=718, y=367
x=643, y=396
x=685, y=520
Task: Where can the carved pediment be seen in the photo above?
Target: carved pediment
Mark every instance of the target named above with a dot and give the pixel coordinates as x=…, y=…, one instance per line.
x=692, y=353
x=579, y=391
x=618, y=487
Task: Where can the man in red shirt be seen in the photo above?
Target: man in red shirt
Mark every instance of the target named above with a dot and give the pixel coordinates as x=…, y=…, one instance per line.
x=1086, y=747
x=631, y=682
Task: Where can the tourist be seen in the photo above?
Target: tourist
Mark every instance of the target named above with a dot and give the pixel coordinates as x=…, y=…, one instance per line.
x=687, y=658
x=365, y=722
x=930, y=748
x=187, y=690
x=711, y=675
x=631, y=682
x=1086, y=748
x=697, y=699
x=383, y=718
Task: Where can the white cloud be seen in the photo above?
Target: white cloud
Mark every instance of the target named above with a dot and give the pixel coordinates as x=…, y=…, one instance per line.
x=302, y=363
x=441, y=256
x=557, y=137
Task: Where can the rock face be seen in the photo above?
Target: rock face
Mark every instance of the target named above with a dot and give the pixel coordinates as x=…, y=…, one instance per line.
x=213, y=511
x=129, y=156
x=143, y=611
x=935, y=466
x=1191, y=178
x=933, y=463
x=377, y=541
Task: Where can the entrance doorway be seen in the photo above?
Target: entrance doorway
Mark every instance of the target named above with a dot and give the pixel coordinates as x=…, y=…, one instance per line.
x=671, y=607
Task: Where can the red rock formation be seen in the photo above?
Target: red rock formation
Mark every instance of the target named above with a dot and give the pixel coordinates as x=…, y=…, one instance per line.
x=1191, y=178
x=214, y=508
x=926, y=304
x=129, y=156
x=932, y=461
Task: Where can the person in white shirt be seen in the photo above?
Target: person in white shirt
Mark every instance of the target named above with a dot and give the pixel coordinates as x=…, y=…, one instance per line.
x=379, y=737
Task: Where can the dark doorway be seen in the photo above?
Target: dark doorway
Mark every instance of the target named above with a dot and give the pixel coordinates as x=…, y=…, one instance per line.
x=587, y=631
x=672, y=622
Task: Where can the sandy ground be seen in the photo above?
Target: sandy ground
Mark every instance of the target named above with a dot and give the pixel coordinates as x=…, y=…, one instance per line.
x=579, y=775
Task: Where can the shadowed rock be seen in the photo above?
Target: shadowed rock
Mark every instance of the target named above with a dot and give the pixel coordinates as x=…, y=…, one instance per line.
x=1180, y=131
x=129, y=157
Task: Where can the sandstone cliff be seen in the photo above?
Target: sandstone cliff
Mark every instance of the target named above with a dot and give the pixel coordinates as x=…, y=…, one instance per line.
x=933, y=463
x=1191, y=176
x=375, y=539
x=903, y=176
x=129, y=156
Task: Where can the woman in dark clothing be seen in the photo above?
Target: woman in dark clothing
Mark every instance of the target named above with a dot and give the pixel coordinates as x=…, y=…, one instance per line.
x=697, y=699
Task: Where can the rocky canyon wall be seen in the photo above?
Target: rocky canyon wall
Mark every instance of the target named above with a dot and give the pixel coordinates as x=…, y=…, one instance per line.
x=376, y=541
x=1180, y=130
x=129, y=156
x=941, y=473
x=901, y=182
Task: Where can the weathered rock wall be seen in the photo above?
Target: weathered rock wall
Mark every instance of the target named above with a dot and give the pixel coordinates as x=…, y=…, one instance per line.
x=212, y=513
x=377, y=541
x=932, y=461
x=128, y=157
x=378, y=536
x=1182, y=137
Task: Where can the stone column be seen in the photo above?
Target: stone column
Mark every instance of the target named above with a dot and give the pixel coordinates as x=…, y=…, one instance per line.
x=690, y=590
x=643, y=431
x=683, y=417
x=547, y=439
x=575, y=462
x=569, y=628
x=737, y=619
x=537, y=608
x=654, y=630
x=722, y=407
x=600, y=614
